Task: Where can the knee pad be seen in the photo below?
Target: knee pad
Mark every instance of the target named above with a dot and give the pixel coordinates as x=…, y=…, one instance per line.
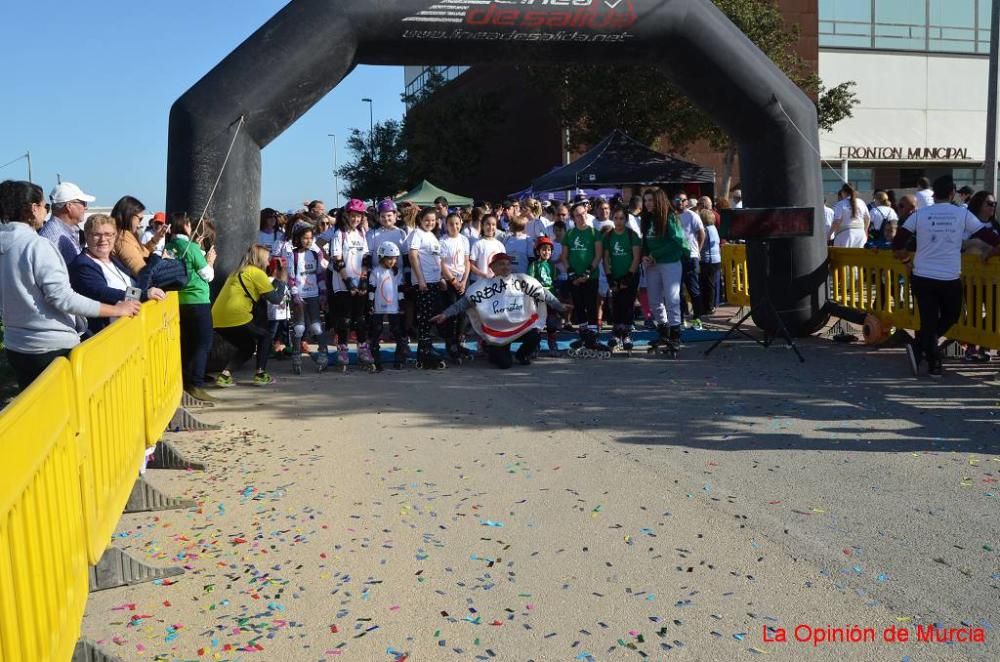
x=298, y=331
x=315, y=329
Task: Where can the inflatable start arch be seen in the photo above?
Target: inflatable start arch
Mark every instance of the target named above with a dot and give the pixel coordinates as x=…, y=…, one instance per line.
x=299, y=55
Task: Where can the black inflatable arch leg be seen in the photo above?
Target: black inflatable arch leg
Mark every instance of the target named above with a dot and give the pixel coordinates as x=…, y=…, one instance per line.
x=299, y=55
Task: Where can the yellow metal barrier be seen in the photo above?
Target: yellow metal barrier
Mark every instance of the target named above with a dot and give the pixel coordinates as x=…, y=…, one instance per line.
x=876, y=282
x=164, y=385
x=109, y=373
x=734, y=274
x=43, y=557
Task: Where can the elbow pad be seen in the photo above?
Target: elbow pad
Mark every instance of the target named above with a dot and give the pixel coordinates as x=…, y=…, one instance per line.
x=366, y=261
x=338, y=264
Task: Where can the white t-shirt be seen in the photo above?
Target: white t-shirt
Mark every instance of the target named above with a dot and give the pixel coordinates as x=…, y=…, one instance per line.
x=279, y=311
x=147, y=236
x=828, y=216
x=633, y=224
x=881, y=214
x=385, y=295
x=537, y=227
x=381, y=235
x=520, y=249
x=454, y=252
x=940, y=230
x=350, y=247
x=482, y=252
x=692, y=226
x=842, y=213
x=925, y=198
x=273, y=240
x=428, y=250
x=115, y=278
x=306, y=267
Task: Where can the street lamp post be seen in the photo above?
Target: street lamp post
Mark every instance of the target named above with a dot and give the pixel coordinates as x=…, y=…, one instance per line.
x=336, y=173
x=371, y=128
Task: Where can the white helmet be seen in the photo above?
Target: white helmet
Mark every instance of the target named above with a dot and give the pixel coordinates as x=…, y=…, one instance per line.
x=388, y=249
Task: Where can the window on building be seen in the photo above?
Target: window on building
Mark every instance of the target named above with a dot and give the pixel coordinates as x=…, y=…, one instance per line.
x=949, y=26
x=846, y=23
x=974, y=177
x=861, y=179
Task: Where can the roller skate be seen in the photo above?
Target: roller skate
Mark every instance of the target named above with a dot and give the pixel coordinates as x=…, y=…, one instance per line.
x=587, y=346
x=667, y=342
x=365, y=358
x=296, y=361
x=322, y=359
x=552, y=344
x=399, y=358
x=343, y=359
x=427, y=358
x=455, y=354
x=627, y=343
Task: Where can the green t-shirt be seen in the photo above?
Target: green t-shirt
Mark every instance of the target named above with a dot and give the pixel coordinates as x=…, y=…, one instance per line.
x=671, y=247
x=618, y=247
x=196, y=290
x=543, y=272
x=580, y=245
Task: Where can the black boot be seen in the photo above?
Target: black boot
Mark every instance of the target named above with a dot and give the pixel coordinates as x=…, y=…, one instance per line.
x=427, y=358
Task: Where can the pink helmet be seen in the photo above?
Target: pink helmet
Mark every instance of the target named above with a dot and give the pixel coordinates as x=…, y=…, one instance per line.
x=355, y=205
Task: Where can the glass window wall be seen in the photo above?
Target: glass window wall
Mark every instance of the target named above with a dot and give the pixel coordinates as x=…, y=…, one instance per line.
x=948, y=26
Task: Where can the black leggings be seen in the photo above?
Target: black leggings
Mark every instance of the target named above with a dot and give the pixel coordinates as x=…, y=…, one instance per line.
x=429, y=304
x=348, y=314
x=396, y=325
x=623, y=301
x=247, y=339
x=454, y=328
x=500, y=356
x=940, y=304
x=585, y=302
x=28, y=367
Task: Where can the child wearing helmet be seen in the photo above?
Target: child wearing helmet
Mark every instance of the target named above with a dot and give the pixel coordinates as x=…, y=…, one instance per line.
x=349, y=291
x=385, y=294
x=544, y=272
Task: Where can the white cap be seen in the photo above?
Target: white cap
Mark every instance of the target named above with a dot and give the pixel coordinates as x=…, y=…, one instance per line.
x=67, y=192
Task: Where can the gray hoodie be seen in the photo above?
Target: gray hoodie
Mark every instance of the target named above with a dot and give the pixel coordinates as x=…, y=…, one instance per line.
x=37, y=305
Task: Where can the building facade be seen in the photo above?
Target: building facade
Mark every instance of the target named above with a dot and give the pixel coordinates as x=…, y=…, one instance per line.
x=920, y=68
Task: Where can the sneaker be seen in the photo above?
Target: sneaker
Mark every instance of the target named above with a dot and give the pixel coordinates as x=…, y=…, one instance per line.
x=935, y=370
x=224, y=381
x=911, y=356
x=199, y=393
x=523, y=360
x=263, y=379
x=696, y=324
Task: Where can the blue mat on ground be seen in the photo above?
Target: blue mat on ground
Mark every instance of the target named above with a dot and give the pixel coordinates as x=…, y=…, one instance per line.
x=640, y=339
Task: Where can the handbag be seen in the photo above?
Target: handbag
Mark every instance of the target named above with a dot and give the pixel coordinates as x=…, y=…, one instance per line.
x=166, y=274
x=259, y=309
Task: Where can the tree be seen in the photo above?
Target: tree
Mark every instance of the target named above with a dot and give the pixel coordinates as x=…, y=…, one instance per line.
x=445, y=140
x=658, y=108
x=377, y=167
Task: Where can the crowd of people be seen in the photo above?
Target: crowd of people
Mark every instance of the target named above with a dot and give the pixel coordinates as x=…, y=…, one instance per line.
x=358, y=274
x=398, y=273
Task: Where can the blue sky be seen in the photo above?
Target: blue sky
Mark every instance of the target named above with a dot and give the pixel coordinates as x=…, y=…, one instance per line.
x=89, y=85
